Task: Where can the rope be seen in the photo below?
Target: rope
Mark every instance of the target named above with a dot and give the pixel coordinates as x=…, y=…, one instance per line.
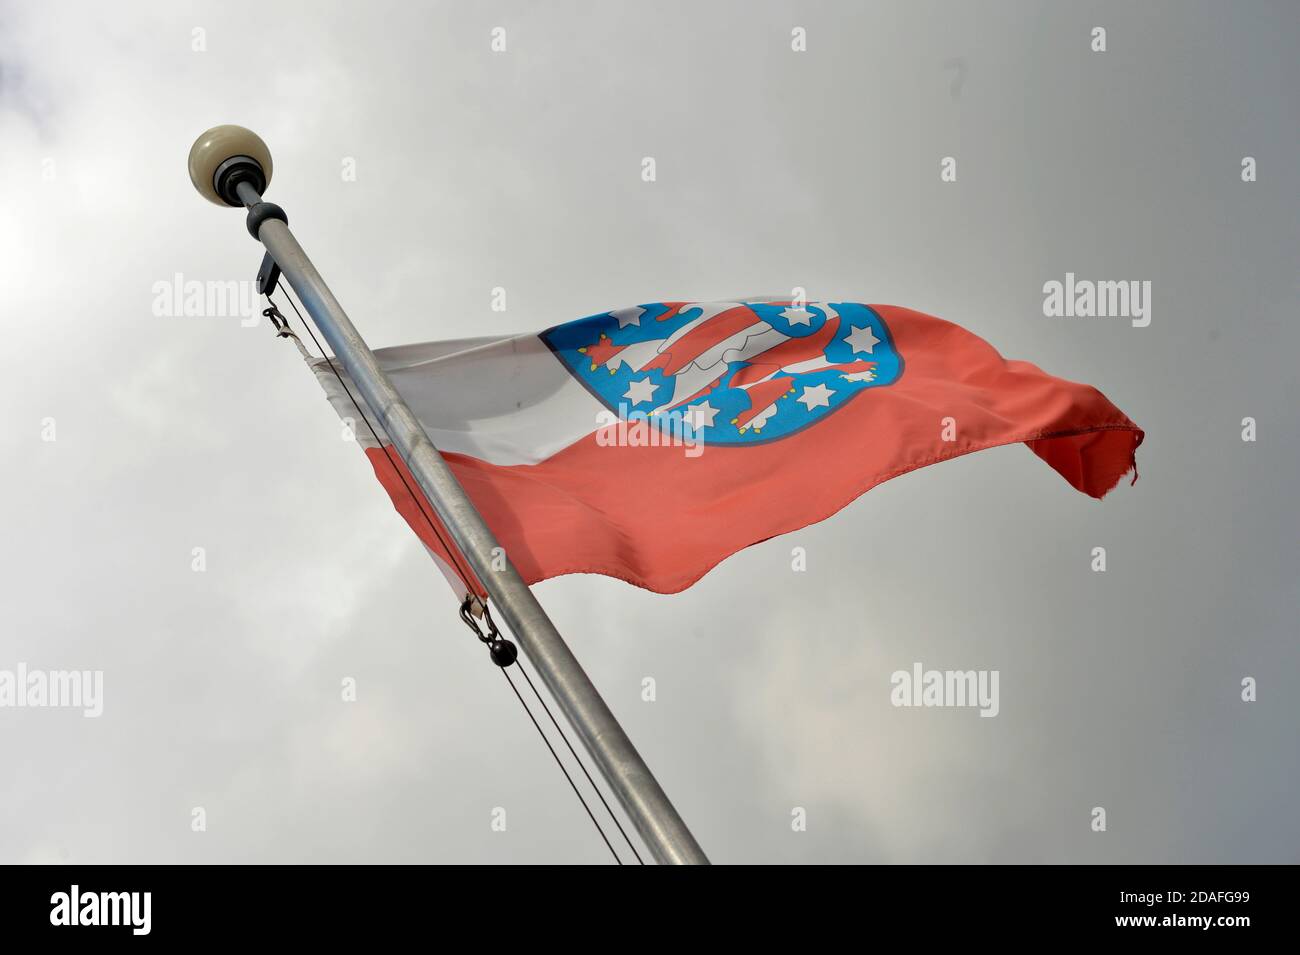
x=572, y=784
x=583, y=767
x=451, y=552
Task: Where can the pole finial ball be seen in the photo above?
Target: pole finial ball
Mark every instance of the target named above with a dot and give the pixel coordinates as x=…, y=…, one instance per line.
x=212, y=150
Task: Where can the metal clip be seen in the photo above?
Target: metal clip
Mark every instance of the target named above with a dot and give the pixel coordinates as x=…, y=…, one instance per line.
x=281, y=323
x=503, y=652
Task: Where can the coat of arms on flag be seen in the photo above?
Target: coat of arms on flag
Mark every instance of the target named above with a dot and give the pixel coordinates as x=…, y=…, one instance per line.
x=734, y=373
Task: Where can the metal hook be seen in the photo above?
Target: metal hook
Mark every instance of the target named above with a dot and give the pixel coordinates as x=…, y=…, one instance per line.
x=278, y=320
x=503, y=652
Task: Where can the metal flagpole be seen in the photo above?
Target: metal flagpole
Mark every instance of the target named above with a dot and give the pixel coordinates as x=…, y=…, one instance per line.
x=230, y=165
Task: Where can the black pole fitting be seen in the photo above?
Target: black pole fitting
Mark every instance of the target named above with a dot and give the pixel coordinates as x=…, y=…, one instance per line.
x=503, y=652
x=260, y=212
x=232, y=172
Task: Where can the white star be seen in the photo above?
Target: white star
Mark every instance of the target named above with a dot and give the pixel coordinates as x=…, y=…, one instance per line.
x=797, y=316
x=628, y=316
x=700, y=416
x=819, y=396
x=862, y=339
x=639, y=391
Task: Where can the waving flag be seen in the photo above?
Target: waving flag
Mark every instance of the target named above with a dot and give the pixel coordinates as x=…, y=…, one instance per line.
x=650, y=443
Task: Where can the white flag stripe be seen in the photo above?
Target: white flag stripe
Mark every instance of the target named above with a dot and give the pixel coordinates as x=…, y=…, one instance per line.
x=505, y=401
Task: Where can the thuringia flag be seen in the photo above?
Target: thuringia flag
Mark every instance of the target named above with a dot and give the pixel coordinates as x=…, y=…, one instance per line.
x=650, y=443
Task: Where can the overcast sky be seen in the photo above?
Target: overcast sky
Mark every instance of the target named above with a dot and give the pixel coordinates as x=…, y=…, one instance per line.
x=775, y=169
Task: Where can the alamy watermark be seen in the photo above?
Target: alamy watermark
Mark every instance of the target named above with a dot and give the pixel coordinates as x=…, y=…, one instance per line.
x=1084, y=298
x=53, y=689
x=921, y=687
x=128, y=909
x=665, y=429
x=191, y=298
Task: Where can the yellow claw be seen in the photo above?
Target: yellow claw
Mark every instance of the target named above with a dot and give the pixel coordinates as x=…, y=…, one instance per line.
x=593, y=366
x=613, y=371
x=582, y=350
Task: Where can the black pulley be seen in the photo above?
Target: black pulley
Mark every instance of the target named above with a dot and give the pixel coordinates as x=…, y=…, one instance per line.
x=503, y=652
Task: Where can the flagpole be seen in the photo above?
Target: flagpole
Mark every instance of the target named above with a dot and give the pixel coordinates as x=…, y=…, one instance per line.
x=231, y=166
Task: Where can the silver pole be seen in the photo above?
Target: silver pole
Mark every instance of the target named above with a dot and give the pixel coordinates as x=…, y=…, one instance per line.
x=624, y=770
